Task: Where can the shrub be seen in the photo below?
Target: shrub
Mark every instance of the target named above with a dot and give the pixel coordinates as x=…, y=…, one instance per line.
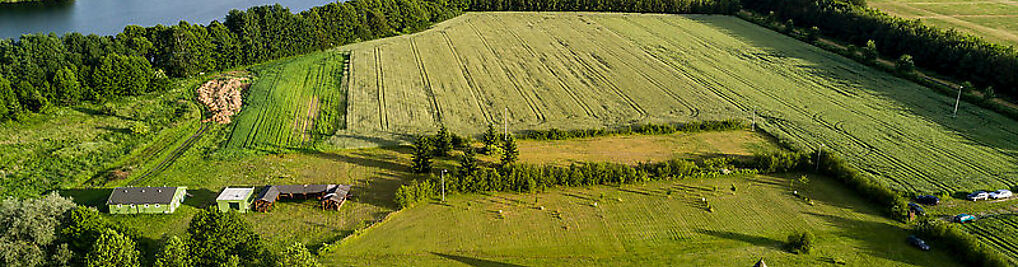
x=414, y=192
x=869, y=52
x=801, y=242
x=905, y=65
x=139, y=128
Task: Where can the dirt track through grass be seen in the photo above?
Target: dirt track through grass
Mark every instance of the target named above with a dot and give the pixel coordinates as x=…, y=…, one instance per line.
x=576, y=70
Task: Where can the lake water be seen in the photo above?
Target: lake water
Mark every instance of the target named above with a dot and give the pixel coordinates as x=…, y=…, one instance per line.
x=107, y=17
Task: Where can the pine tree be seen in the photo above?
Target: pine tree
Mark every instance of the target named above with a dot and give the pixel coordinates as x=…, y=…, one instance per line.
x=510, y=153
x=490, y=139
x=468, y=164
x=443, y=142
x=421, y=158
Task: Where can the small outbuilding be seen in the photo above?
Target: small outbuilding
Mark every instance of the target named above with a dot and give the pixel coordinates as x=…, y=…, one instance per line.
x=235, y=198
x=145, y=200
x=329, y=196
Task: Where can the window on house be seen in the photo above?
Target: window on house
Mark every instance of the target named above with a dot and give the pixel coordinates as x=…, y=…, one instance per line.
x=146, y=206
x=157, y=205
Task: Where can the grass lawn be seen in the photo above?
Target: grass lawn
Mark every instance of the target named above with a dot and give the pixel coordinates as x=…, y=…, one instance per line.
x=986, y=19
x=639, y=225
x=643, y=148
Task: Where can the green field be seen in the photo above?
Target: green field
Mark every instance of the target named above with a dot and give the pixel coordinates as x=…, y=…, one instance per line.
x=998, y=231
x=639, y=225
x=293, y=104
x=576, y=70
x=993, y=20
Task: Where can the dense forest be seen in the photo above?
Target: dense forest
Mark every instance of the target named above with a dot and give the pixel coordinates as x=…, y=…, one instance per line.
x=962, y=56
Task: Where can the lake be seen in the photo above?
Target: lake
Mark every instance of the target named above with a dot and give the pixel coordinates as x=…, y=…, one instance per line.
x=106, y=17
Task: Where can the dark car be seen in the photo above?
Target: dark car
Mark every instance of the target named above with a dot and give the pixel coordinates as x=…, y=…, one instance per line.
x=927, y=200
x=918, y=243
x=912, y=206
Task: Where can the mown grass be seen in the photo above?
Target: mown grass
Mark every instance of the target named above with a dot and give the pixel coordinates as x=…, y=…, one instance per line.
x=986, y=19
x=640, y=225
x=293, y=104
x=562, y=70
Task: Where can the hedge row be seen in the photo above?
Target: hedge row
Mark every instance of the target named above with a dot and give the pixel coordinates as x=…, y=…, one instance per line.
x=647, y=129
x=971, y=249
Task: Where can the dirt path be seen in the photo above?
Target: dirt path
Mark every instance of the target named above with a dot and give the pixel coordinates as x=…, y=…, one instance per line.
x=166, y=162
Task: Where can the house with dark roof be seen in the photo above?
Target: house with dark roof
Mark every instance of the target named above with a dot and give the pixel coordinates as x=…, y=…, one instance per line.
x=329, y=196
x=145, y=200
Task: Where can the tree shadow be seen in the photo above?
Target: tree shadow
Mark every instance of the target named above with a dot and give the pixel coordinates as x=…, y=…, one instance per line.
x=474, y=261
x=200, y=198
x=91, y=197
x=753, y=240
x=873, y=237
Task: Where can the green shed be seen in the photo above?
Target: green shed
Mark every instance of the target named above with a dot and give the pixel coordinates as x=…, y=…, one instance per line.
x=145, y=200
x=235, y=198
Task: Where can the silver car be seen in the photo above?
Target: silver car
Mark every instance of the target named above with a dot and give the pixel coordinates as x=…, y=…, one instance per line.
x=1001, y=194
x=979, y=195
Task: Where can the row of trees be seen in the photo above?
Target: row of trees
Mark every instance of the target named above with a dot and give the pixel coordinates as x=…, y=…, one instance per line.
x=41, y=70
x=639, y=6
x=648, y=129
x=949, y=52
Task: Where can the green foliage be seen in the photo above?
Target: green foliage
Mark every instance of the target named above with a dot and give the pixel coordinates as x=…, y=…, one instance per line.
x=442, y=142
x=297, y=255
x=869, y=52
x=174, y=254
x=113, y=249
x=468, y=163
x=414, y=192
x=988, y=93
x=648, y=129
x=904, y=64
x=801, y=242
x=972, y=251
x=215, y=237
x=510, y=153
x=85, y=225
x=490, y=139
x=139, y=128
x=421, y=158
x=812, y=34
x=29, y=236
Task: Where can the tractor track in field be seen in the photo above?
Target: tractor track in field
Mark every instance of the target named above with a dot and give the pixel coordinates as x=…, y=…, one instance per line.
x=383, y=120
x=471, y=84
x=426, y=81
x=512, y=78
x=586, y=108
x=174, y=155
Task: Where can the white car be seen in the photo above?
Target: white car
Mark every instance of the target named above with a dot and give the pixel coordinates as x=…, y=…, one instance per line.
x=979, y=195
x=999, y=194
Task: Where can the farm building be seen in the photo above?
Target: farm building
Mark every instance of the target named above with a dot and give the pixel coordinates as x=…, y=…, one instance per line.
x=145, y=200
x=329, y=196
x=236, y=199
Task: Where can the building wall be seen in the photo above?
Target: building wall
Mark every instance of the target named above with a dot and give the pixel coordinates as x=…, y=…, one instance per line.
x=178, y=198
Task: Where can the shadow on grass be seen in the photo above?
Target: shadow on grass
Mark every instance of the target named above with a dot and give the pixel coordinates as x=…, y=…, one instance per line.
x=474, y=261
x=754, y=240
x=200, y=198
x=91, y=197
x=880, y=240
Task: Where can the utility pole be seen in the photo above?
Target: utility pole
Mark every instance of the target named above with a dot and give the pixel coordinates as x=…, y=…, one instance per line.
x=956, y=101
x=443, y=184
x=819, y=149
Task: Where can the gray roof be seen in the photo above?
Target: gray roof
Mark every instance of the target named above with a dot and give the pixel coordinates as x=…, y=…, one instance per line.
x=335, y=192
x=235, y=193
x=141, y=195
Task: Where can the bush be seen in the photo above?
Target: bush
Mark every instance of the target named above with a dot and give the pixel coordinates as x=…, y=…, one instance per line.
x=869, y=52
x=414, y=192
x=139, y=128
x=905, y=65
x=801, y=242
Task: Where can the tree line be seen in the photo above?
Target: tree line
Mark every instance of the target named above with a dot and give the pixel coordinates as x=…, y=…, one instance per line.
x=962, y=56
x=637, y=6
x=38, y=71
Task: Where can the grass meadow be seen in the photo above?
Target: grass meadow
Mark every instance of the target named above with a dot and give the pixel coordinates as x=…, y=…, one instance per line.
x=995, y=21
x=660, y=223
x=578, y=70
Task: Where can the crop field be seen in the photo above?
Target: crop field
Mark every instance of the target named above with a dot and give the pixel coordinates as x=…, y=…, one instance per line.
x=639, y=224
x=994, y=20
x=293, y=103
x=576, y=70
x=998, y=231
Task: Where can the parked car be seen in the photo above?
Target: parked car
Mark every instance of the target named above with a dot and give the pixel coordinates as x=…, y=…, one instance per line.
x=916, y=208
x=979, y=195
x=964, y=218
x=928, y=200
x=1001, y=194
x=919, y=243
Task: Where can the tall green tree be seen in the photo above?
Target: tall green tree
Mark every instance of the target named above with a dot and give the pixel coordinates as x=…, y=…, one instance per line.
x=214, y=237
x=443, y=142
x=9, y=105
x=67, y=86
x=490, y=139
x=113, y=249
x=510, y=153
x=468, y=163
x=421, y=157
x=29, y=236
x=297, y=255
x=174, y=254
